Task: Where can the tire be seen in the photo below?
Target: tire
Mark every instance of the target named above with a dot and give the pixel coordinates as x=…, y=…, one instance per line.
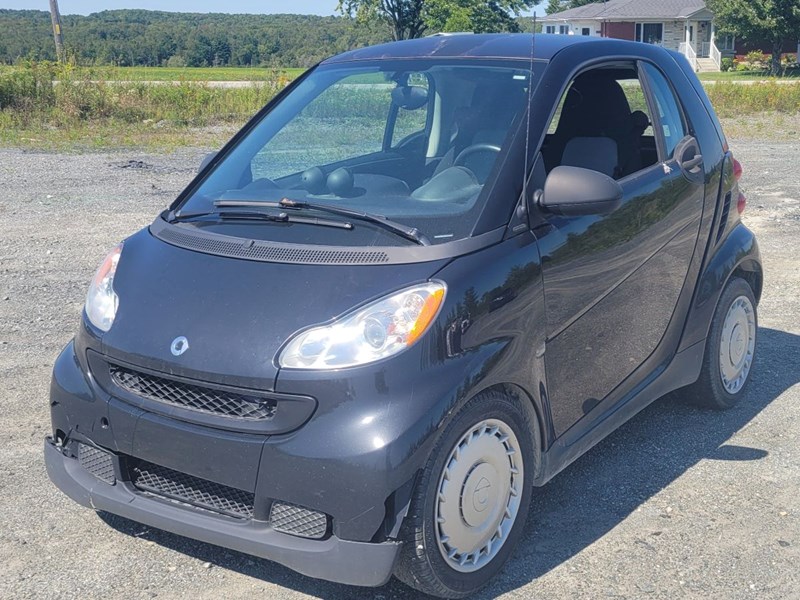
x=731, y=343
x=478, y=489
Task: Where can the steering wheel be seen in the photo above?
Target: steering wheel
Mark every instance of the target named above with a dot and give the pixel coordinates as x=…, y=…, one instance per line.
x=474, y=149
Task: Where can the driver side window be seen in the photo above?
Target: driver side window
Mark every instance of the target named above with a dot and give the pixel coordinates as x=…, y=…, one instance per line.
x=603, y=123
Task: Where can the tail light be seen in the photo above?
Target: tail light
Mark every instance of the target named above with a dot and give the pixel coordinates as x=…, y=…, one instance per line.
x=737, y=170
x=741, y=203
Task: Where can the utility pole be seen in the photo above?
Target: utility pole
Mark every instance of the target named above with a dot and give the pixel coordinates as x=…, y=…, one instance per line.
x=55, y=17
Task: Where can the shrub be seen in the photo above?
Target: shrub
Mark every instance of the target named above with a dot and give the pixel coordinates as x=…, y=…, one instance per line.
x=726, y=64
x=66, y=96
x=757, y=60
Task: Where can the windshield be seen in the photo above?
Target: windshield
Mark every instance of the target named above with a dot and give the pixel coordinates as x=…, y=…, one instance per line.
x=410, y=141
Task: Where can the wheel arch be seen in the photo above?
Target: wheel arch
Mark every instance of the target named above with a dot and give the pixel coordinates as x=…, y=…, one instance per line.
x=753, y=273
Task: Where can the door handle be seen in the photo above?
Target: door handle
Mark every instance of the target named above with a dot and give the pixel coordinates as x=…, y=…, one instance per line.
x=691, y=163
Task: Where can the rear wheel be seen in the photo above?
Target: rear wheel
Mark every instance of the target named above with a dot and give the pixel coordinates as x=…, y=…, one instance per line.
x=730, y=349
x=471, y=501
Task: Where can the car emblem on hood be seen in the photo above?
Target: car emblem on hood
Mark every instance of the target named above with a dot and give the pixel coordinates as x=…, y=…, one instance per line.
x=179, y=346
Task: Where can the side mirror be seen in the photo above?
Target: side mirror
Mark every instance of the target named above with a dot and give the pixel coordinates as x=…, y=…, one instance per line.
x=206, y=160
x=573, y=191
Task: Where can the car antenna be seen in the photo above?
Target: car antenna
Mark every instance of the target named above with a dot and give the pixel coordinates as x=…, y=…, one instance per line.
x=523, y=206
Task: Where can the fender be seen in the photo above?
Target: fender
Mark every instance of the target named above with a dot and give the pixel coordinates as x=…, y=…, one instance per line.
x=738, y=253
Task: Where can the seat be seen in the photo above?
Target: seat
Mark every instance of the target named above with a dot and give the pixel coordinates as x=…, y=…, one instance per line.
x=596, y=153
x=485, y=121
x=596, y=107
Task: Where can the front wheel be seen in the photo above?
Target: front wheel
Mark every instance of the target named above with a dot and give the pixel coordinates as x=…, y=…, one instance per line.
x=471, y=501
x=730, y=349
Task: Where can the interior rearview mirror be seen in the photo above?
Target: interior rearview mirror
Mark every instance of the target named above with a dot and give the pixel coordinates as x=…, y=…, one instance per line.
x=410, y=97
x=573, y=191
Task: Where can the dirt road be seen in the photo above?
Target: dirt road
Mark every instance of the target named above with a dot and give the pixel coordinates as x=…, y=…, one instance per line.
x=679, y=503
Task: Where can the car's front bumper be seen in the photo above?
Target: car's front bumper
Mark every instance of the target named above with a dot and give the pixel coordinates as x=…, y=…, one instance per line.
x=333, y=559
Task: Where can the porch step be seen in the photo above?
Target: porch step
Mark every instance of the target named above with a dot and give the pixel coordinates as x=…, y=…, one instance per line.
x=706, y=65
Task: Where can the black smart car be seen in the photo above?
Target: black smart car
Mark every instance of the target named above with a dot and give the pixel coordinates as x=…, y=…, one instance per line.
x=421, y=282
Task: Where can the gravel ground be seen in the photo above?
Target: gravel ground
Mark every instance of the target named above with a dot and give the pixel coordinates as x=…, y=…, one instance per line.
x=677, y=503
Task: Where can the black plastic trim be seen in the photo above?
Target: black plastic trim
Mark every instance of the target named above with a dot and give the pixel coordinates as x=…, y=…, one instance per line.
x=190, y=238
x=291, y=412
x=333, y=559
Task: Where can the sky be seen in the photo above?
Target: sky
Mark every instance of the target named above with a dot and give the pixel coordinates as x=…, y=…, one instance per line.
x=84, y=7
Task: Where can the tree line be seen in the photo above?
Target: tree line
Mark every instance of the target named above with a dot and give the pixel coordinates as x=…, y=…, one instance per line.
x=153, y=38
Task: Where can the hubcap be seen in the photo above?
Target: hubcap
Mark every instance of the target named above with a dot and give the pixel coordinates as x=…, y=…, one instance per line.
x=737, y=344
x=479, y=495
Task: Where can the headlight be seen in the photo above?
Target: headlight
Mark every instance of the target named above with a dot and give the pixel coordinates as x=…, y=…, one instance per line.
x=378, y=330
x=101, y=300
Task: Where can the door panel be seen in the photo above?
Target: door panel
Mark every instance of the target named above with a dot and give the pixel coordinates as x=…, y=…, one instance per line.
x=611, y=283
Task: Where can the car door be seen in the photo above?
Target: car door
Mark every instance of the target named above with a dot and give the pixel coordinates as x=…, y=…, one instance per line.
x=611, y=281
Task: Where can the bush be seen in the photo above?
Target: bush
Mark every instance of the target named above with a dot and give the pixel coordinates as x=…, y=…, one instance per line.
x=757, y=60
x=66, y=96
x=726, y=64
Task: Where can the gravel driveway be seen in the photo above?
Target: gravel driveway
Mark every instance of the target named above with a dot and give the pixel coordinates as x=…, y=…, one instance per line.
x=679, y=503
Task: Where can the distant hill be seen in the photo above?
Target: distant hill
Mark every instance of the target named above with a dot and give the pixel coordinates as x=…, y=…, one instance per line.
x=154, y=38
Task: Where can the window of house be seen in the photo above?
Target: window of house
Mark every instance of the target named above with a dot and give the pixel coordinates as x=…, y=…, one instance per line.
x=726, y=42
x=650, y=33
x=586, y=31
x=563, y=29
x=550, y=29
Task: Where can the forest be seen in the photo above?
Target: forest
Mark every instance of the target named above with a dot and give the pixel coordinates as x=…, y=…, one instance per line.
x=153, y=38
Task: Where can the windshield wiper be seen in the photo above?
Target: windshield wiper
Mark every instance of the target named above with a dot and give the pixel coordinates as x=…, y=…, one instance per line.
x=263, y=216
x=409, y=233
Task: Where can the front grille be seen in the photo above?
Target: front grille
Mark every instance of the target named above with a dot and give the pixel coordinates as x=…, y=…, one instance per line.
x=98, y=462
x=189, y=489
x=296, y=520
x=195, y=397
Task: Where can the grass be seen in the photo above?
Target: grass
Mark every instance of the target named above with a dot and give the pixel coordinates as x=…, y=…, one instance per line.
x=746, y=75
x=51, y=106
x=43, y=105
x=732, y=100
x=198, y=74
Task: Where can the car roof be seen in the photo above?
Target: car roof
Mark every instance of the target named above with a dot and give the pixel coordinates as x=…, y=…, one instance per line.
x=490, y=45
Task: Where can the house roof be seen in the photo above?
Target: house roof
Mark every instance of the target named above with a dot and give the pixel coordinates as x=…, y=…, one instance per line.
x=625, y=10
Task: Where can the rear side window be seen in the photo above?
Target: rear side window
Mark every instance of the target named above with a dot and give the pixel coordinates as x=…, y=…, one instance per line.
x=670, y=117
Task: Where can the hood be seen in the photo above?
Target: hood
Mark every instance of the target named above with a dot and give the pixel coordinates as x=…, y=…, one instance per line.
x=236, y=314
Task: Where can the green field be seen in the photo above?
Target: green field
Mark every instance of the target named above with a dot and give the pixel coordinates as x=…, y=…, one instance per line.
x=198, y=74
x=747, y=76
x=47, y=105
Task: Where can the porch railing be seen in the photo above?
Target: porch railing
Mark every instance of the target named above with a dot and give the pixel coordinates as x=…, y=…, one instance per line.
x=716, y=56
x=687, y=50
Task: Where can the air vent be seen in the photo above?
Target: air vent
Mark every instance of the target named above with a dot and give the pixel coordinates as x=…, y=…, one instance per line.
x=185, y=488
x=98, y=462
x=296, y=520
x=268, y=251
x=196, y=397
x=723, y=219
